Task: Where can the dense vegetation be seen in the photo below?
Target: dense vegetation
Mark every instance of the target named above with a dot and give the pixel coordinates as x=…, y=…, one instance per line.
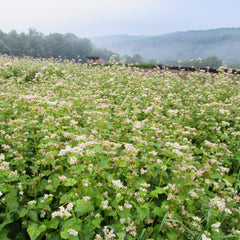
x=223, y=43
x=69, y=46
x=35, y=44
x=92, y=152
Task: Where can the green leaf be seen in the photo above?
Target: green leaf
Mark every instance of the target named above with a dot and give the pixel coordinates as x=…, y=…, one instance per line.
x=33, y=215
x=216, y=176
x=83, y=207
x=103, y=163
x=64, y=235
x=143, y=212
x=157, y=211
x=8, y=219
x=172, y=236
x=53, y=223
x=157, y=191
x=65, y=197
x=12, y=202
x=35, y=230
x=53, y=236
x=121, y=235
x=4, y=234
x=69, y=182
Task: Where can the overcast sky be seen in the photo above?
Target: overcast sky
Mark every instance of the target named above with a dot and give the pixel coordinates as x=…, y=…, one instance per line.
x=88, y=18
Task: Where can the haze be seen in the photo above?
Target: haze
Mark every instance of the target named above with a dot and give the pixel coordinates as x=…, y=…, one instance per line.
x=134, y=17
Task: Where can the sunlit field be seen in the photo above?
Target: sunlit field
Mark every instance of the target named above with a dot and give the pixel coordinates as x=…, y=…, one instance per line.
x=114, y=152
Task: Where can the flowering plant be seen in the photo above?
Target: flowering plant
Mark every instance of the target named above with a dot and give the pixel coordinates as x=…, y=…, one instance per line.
x=114, y=152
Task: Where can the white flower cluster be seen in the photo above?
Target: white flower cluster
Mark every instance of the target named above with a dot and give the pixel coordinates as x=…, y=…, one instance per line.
x=131, y=229
x=216, y=226
x=172, y=112
x=73, y=160
x=63, y=178
x=78, y=149
x=210, y=144
x=4, y=166
x=138, y=124
x=177, y=145
x=73, y=232
x=223, y=111
x=204, y=237
x=86, y=198
x=2, y=157
x=63, y=212
x=148, y=110
x=130, y=148
x=220, y=203
x=105, y=204
x=108, y=233
x=117, y=183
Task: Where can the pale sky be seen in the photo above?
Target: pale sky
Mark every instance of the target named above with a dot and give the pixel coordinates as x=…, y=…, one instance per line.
x=89, y=18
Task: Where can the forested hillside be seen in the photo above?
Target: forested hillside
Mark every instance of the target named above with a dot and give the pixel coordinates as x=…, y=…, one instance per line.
x=223, y=43
x=35, y=44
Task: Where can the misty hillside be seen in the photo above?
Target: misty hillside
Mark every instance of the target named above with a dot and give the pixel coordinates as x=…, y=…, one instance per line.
x=223, y=43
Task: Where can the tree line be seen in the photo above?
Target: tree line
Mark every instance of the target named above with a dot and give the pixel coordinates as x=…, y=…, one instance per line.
x=35, y=44
x=69, y=46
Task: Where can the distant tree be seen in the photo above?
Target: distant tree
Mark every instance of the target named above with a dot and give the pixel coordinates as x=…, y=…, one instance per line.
x=4, y=49
x=54, y=45
x=212, y=62
x=134, y=59
x=137, y=59
x=13, y=41
x=103, y=53
x=84, y=48
x=34, y=43
x=128, y=59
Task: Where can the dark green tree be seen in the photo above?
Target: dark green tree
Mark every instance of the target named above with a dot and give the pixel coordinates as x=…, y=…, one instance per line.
x=34, y=43
x=4, y=49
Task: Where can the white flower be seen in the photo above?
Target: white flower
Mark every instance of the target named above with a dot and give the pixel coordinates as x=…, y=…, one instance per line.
x=204, y=237
x=198, y=219
x=216, y=226
x=72, y=232
x=122, y=220
x=86, y=198
x=2, y=157
x=227, y=210
x=70, y=207
x=108, y=234
x=32, y=202
x=63, y=212
x=62, y=177
x=127, y=205
x=105, y=204
x=120, y=208
x=117, y=183
x=143, y=171
x=72, y=160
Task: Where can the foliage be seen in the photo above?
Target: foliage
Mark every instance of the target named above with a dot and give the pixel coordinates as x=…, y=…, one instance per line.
x=212, y=62
x=103, y=53
x=222, y=43
x=113, y=152
x=35, y=44
x=136, y=59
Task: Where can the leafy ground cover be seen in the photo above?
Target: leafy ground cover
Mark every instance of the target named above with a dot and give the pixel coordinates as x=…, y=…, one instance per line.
x=117, y=153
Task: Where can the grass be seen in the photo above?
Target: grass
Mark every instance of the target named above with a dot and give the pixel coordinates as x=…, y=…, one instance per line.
x=113, y=152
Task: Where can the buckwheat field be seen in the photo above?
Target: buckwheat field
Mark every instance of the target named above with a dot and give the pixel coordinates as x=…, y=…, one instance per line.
x=113, y=152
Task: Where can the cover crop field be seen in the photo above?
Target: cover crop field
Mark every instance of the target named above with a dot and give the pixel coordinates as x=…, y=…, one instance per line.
x=94, y=152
